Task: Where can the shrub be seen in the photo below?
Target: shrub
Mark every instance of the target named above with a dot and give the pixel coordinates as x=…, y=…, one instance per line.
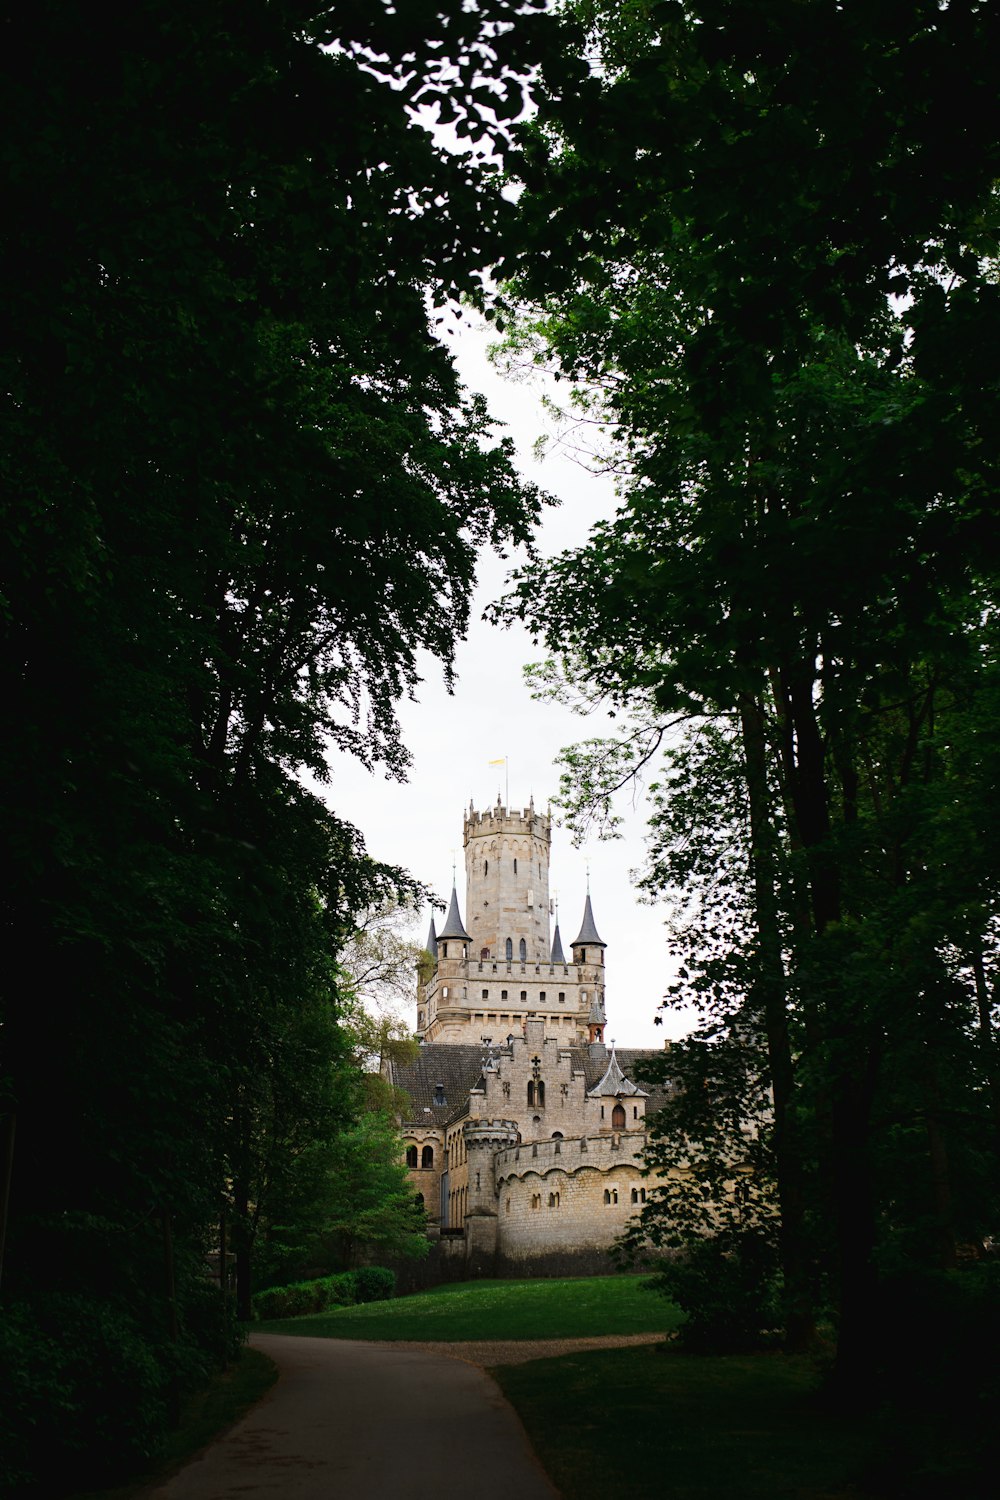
x=80, y=1391
x=304, y=1297
x=375, y=1283
x=727, y=1286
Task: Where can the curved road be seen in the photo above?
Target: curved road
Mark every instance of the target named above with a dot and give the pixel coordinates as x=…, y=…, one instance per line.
x=371, y=1421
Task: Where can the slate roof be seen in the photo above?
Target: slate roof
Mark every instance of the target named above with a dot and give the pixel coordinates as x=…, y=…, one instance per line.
x=558, y=956
x=432, y=940
x=614, y=1082
x=588, y=930
x=453, y=925
x=457, y=1065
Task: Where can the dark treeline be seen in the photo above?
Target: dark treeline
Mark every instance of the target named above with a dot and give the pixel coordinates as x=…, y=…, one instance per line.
x=242, y=490
x=764, y=245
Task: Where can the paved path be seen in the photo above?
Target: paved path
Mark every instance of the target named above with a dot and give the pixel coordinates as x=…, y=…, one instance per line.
x=353, y=1421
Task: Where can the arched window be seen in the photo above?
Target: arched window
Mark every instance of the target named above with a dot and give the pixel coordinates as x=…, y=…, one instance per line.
x=510, y=949
x=427, y=1156
x=531, y=1094
x=484, y=954
x=411, y=1156
x=618, y=1117
x=540, y=1094
x=553, y=1200
x=635, y=1195
x=607, y=1196
x=557, y=1135
x=523, y=950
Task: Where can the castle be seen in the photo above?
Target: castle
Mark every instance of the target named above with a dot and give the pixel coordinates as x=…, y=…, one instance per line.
x=524, y=1134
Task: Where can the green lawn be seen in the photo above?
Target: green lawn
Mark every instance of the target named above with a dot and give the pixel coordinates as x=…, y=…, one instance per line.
x=540, y=1309
x=651, y=1421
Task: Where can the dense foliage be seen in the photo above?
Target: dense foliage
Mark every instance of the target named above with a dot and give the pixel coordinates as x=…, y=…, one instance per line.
x=242, y=490
x=761, y=239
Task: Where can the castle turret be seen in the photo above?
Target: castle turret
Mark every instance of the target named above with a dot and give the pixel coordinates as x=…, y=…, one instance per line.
x=588, y=947
x=453, y=938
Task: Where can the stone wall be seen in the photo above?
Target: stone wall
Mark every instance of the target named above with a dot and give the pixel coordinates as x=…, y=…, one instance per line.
x=570, y=1197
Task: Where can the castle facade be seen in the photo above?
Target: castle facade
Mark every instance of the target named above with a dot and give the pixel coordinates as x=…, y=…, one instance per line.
x=524, y=1133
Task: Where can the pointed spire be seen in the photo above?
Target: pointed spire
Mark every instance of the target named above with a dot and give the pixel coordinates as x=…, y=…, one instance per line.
x=597, y=1015
x=432, y=940
x=454, y=926
x=588, y=929
x=614, y=1082
x=558, y=956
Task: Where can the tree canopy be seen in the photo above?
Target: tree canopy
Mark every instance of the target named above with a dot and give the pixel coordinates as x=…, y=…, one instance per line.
x=761, y=240
x=243, y=491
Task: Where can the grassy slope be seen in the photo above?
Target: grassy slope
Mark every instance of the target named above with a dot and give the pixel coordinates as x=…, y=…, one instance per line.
x=651, y=1421
x=541, y=1309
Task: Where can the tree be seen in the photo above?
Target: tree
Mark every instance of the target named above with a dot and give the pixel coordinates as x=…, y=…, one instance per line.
x=243, y=490
x=767, y=315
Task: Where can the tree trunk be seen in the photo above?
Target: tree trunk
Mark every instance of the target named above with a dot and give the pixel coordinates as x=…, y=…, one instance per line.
x=771, y=997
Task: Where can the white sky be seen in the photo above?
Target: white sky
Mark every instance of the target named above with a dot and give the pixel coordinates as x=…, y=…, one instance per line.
x=418, y=824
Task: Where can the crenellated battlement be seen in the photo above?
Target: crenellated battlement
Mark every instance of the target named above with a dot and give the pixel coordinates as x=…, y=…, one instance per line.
x=492, y=820
x=602, y=1152
x=493, y=1134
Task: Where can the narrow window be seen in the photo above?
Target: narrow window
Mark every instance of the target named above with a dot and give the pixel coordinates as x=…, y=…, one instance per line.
x=562, y=997
x=635, y=1195
x=427, y=1156
x=540, y=1093
x=503, y=994
x=531, y=1095
x=642, y=1194
x=541, y=996
x=484, y=955
x=486, y=994
x=523, y=950
x=607, y=1196
x=486, y=867
x=524, y=994
x=444, y=950
x=618, y=1117
x=515, y=864
x=411, y=1156
x=635, y=1111
x=510, y=949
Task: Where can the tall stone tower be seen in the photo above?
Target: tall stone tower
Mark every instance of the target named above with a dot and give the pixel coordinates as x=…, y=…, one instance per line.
x=499, y=967
x=507, y=884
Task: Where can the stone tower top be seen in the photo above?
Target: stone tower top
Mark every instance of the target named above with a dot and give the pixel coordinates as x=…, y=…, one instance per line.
x=507, y=883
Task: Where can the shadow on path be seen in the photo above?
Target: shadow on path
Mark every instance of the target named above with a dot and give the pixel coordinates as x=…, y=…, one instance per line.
x=349, y=1419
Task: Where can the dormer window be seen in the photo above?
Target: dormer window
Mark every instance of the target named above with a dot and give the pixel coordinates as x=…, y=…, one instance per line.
x=439, y=1099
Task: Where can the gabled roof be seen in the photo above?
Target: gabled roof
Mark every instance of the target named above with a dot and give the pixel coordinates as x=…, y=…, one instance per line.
x=588, y=930
x=558, y=956
x=453, y=925
x=432, y=940
x=614, y=1083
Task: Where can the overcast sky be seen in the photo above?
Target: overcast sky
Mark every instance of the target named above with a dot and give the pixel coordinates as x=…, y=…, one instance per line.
x=452, y=739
